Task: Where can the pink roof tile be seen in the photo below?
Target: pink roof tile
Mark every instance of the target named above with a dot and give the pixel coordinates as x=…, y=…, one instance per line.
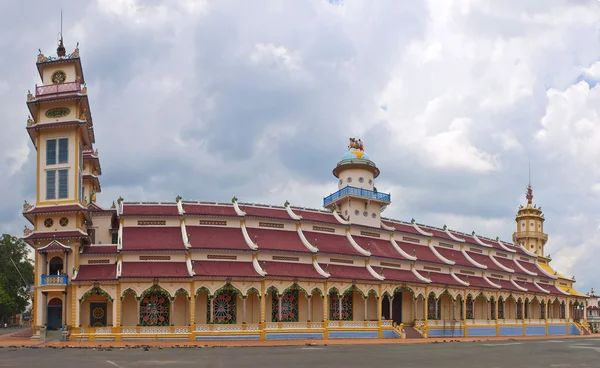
x=404, y=228
x=133, y=209
x=475, y=281
x=224, y=269
x=57, y=209
x=154, y=269
x=316, y=216
x=456, y=256
x=213, y=237
x=281, y=240
x=506, y=285
x=152, y=238
x=508, y=263
x=441, y=278
x=275, y=213
x=378, y=247
x=423, y=253
x=485, y=260
x=553, y=289
x=348, y=272
x=526, y=265
x=97, y=272
x=56, y=234
x=209, y=210
x=393, y=274
x=288, y=269
x=54, y=246
x=438, y=233
x=100, y=249
x=329, y=243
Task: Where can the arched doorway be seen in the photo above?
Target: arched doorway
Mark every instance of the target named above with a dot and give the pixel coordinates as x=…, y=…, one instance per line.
x=54, y=314
x=55, y=265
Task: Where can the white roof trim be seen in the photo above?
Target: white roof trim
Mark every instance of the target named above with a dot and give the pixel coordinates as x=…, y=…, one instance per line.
x=291, y=213
x=190, y=269
x=52, y=242
x=541, y=288
x=527, y=252
x=385, y=227
x=491, y=283
x=501, y=265
x=468, y=257
x=421, y=231
x=459, y=280
x=355, y=245
x=257, y=267
x=419, y=276
x=546, y=273
x=523, y=268
x=400, y=250
x=238, y=210
x=184, y=235
x=247, y=239
x=374, y=274
x=441, y=257
x=505, y=248
x=517, y=286
x=319, y=270
x=305, y=242
x=340, y=219
x=454, y=237
x=481, y=242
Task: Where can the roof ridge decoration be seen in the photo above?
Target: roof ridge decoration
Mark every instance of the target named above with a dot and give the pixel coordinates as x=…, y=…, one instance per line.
x=373, y=273
x=526, y=251
x=355, y=245
x=252, y=245
x=319, y=270
x=400, y=250
x=27, y=207
x=385, y=227
x=421, y=231
x=468, y=257
x=541, y=288
x=291, y=213
x=236, y=207
x=523, y=268
x=305, y=242
x=479, y=240
x=491, y=283
x=179, y=202
x=452, y=236
x=441, y=257
x=55, y=242
x=501, y=265
x=419, y=276
x=504, y=246
x=459, y=280
x=190, y=267
x=119, y=267
x=184, y=235
x=545, y=273
x=518, y=286
x=120, y=235
x=257, y=267
x=339, y=218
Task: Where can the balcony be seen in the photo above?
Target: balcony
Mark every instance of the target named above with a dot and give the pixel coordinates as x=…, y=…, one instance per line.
x=59, y=280
x=55, y=89
x=356, y=192
x=530, y=234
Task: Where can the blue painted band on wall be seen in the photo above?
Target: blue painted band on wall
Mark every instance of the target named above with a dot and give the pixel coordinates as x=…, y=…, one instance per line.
x=286, y=336
x=441, y=332
x=243, y=337
x=481, y=331
x=511, y=331
x=557, y=330
x=535, y=330
x=352, y=334
x=573, y=330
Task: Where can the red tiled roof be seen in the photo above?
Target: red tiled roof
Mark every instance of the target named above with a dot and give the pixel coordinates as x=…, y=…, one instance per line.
x=329, y=243
x=532, y=288
x=55, y=234
x=54, y=246
x=423, y=253
x=485, y=260
x=209, y=210
x=378, y=247
x=93, y=207
x=283, y=269
x=154, y=269
x=100, y=249
x=276, y=213
x=441, y=278
x=392, y=274
x=475, y=281
x=316, y=216
x=506, y=285
x=526, y=265
x=456, y=256
x=268, y=239
x=553, y=289
x=56, y=209
x=508, y=263
x=438, y=233
x=402, y=227
x=152, y=238
x=133, y=209
x=224, y=269
x=97, y=272
x=209, y=237
x=348, y=272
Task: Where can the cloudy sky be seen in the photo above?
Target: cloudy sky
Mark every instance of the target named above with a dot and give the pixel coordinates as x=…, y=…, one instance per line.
x=211, y=99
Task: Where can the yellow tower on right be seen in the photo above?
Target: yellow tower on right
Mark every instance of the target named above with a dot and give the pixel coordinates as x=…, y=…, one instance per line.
x=530, y=226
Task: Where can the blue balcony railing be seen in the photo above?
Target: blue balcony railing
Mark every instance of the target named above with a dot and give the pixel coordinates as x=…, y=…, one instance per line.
x=54, y=279
x=357, y=192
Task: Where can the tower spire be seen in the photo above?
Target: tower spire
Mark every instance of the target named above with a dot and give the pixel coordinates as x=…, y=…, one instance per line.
x=529, y=194
x=60, y=50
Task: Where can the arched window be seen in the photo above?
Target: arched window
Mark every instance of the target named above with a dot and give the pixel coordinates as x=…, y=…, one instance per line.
x=543, y=310
x=431, y=307
x=154, y=308
x=55, y=265
x=493, y=308
x=289, y=306
x=501, y=308
x=469, y=307
x=225, y=306
x=519, y=309
x=334, y=306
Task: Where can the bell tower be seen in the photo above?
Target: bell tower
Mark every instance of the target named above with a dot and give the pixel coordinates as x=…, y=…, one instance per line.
x=530, y=226
x=357, y=199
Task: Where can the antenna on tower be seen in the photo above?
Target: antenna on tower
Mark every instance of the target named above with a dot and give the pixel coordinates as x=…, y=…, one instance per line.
x=529, y=172
x=60, y=50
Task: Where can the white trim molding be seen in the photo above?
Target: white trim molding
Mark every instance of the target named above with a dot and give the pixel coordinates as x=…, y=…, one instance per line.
x=355, y=245
x=305, y=241
x=400, y=250
x=247, y=239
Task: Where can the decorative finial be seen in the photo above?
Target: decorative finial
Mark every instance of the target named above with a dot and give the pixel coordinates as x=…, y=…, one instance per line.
x=234, y=199
x=412, y=221
x=75, y=53
x=113, y=205
x=445, y=227
x=287, y=203
x=178, y=198
x=473, y=233
x=60, y=50
x=27, y=206
x=356, y=143
x=30, y=121
x=497, y=238
x=120, y=200
x=30, y=97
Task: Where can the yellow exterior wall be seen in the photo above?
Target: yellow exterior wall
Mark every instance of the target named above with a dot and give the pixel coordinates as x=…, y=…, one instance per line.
x=129, y=312
x=68, y=68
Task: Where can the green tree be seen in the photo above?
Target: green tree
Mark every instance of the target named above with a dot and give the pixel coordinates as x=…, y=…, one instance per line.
x=14, y=291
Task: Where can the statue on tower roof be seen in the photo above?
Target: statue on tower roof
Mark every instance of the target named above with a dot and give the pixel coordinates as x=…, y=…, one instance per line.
x=356, y=143
x=529, y=194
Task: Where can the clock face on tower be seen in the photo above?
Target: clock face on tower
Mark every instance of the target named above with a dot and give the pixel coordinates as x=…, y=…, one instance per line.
x=58, y=77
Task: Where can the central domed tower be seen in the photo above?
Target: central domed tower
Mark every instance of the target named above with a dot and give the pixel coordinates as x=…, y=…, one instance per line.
x=357, y=199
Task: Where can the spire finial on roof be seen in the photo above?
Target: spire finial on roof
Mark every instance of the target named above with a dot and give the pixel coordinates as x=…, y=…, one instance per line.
x=60, y=50
x=529, y=194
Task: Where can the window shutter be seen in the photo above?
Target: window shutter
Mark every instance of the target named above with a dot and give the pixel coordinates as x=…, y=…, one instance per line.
x=51, y=152
x=63, y=151
x=51, y=184
x=63, y=184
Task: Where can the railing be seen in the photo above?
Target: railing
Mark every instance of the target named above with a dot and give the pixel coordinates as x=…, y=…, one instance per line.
x=531, y=234
x=54, y=89
x=479, y=322
x=54, y=279
x=359, y=192
x=556, y=320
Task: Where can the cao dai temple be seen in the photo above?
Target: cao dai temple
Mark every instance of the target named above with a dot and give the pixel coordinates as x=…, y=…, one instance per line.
x=192, y=270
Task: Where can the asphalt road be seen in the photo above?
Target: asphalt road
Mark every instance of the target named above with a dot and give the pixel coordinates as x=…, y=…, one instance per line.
x=4, y=331
x=511, y=354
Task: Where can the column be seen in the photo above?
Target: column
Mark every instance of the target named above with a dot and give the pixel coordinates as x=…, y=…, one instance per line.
x=487, y=312
x=64, y=309
x=414, y=309
x=340, y=307
x=244, y=309
x=45, y=308
x=435, y=306
x=172, y=312
x=309, y=302
x=390, y=300
x=453, y=309
x=193, y=308
x=212, y=308
x=66, y=271
x=139, y=312
x=280, y=301
x=366, y=299
x=117, y=306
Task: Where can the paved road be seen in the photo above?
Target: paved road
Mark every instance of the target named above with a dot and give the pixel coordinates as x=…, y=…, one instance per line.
x=5, y=331
x=510, y=354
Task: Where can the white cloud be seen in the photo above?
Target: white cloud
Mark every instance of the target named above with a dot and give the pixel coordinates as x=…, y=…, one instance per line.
x=275, y=57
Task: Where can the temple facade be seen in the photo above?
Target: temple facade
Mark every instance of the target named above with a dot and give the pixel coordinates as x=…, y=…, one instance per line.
x=188, y=270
